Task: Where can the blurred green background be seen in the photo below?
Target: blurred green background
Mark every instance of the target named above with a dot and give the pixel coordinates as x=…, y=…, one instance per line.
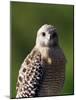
x=26, y=19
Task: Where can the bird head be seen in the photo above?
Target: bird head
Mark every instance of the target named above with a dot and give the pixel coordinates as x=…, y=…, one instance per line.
x=47, y=36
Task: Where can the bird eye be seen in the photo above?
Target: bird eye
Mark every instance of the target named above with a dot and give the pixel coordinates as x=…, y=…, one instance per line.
x=43, y=33
x=54, y=35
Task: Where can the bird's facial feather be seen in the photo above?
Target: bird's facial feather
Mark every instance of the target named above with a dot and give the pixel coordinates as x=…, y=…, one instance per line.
x=47, y=36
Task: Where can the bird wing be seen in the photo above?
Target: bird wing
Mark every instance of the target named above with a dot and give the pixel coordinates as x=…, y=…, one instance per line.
x=29, y=75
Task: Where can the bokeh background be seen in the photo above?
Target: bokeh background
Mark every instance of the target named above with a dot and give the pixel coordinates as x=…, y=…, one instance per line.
x=26, y=19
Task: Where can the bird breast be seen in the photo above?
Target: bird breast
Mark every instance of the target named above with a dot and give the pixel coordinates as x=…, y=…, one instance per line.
x=54, y=72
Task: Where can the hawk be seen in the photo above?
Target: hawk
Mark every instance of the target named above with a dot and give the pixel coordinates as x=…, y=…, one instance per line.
x=42, y=72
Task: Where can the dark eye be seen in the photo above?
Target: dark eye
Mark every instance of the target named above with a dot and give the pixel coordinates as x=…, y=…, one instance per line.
x=54, y=35
x=43, y=33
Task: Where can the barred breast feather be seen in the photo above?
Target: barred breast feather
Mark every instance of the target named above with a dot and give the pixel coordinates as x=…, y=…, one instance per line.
x=30, y=74
x=54, y=74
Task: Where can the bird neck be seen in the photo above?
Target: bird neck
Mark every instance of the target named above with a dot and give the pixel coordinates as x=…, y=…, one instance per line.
x=43, y=50
x=46, y=52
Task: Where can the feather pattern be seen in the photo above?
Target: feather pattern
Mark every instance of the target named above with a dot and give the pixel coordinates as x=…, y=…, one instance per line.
x=29, y=75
